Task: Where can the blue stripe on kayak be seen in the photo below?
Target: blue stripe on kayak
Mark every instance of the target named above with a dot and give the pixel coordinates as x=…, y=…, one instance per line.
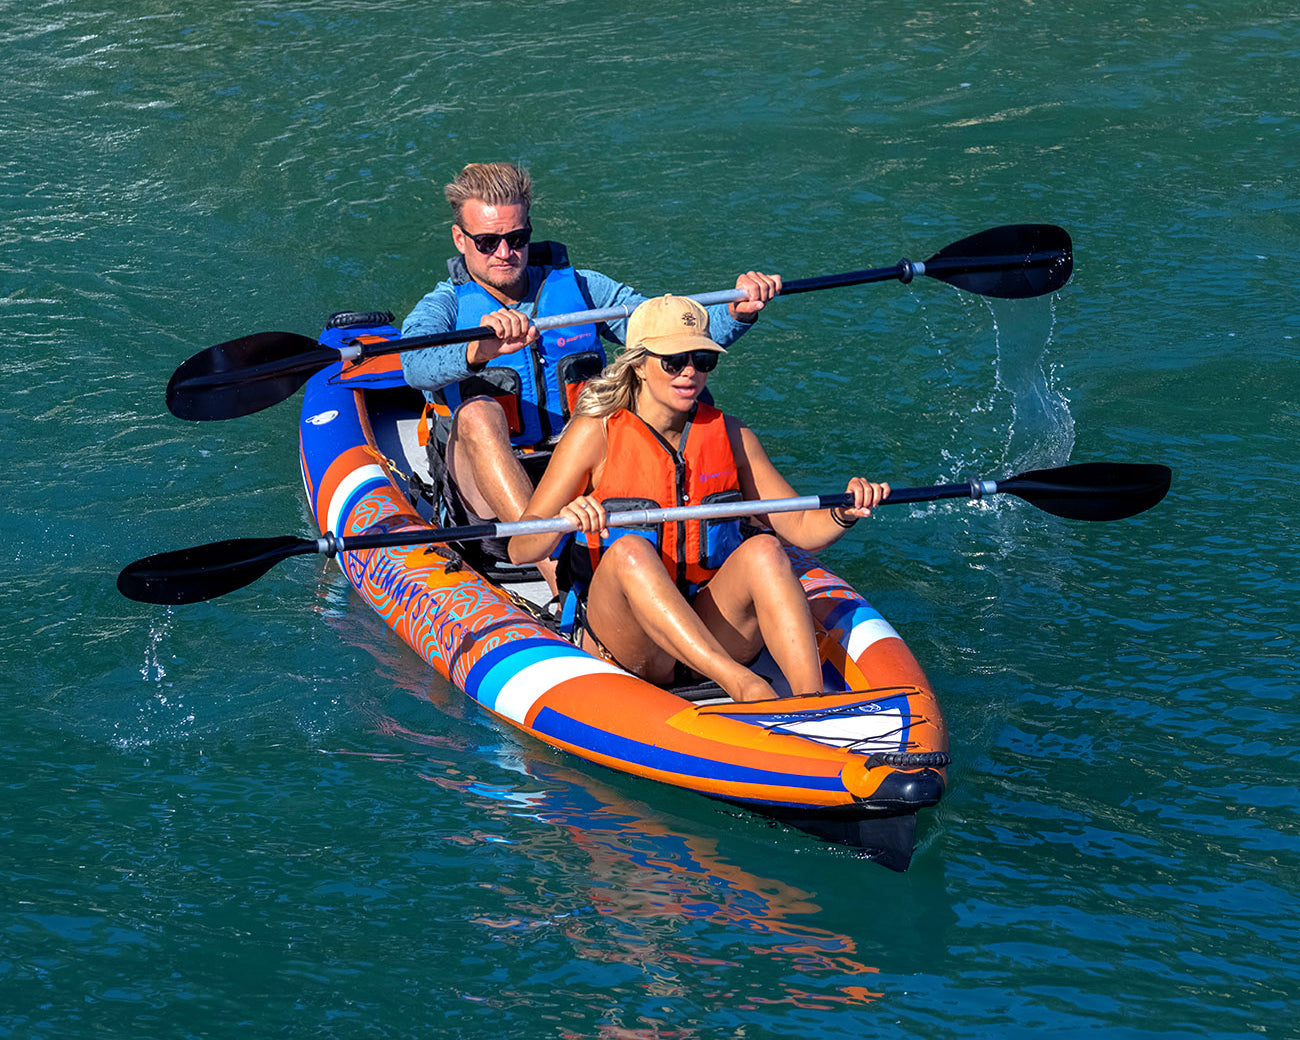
x=358, y=493
x=846, y=616
x=497, y=667
x=850, y=613
x=578, y=734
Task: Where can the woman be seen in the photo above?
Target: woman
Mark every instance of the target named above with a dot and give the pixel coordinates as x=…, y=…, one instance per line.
x=696, y=593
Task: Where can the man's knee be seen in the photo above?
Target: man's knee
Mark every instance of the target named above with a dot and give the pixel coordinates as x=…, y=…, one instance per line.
x=481, y=421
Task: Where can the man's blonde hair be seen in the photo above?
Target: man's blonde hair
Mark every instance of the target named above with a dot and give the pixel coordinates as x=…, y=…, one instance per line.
x=493, y=184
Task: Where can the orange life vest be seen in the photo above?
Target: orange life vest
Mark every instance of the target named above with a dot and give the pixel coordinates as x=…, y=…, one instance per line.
x=642, y=471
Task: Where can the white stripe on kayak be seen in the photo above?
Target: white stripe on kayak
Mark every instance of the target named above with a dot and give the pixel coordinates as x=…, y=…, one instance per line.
x=345, y=490
x=530, y=684
x=870, y=731
x=867, y=633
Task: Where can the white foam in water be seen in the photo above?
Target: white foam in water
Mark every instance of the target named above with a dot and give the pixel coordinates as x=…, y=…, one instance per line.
x=1040, y=432
x=153, y=669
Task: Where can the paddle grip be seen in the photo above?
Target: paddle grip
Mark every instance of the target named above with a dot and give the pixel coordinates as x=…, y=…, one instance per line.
x=973, y=489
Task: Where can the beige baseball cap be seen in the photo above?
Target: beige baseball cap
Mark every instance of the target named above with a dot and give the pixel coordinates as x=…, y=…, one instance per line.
x=670, y=325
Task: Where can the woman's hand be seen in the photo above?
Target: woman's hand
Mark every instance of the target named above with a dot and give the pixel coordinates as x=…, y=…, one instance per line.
x=866, y=496
x=587, y=514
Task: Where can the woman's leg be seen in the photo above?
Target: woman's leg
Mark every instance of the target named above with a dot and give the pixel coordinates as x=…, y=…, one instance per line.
x=757, y=600
x=639, y=615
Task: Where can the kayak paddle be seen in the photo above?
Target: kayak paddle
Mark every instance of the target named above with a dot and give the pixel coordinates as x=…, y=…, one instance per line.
x=1090, y=491
x=253, y=372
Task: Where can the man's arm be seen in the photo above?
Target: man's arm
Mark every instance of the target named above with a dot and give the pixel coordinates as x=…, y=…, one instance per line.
x=602, y=291
x=434, y=367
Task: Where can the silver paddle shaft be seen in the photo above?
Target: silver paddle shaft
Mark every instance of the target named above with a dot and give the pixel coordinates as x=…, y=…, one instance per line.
x=331, y=543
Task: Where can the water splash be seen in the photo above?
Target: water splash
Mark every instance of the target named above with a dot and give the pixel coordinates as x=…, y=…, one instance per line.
x=996, y=383
x=153, y=669
x=1040, y=430
x=162, y=715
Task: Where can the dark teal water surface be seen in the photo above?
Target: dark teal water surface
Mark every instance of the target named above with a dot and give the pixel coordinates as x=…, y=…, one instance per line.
x=262, y=816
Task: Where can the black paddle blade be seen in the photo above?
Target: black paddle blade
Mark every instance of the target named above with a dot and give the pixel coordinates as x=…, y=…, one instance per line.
x=1092, y=490
x=206, y=571
x=1013, y=262
x=245, y=375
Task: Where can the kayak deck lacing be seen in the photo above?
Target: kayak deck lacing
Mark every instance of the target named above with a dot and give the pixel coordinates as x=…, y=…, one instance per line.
x=868, y=745
x=909, y=759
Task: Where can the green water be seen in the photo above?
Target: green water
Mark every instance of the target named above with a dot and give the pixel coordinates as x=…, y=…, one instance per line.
x=261, y=816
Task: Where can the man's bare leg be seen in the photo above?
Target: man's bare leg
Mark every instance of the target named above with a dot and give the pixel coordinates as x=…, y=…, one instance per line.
x=489, y=477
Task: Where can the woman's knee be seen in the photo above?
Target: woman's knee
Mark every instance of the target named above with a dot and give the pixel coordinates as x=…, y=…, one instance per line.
x=765, y=554
x=633, y=555
x=631, y=576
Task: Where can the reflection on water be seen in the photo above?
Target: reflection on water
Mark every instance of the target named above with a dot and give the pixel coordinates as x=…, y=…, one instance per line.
x=605, y=878
x=645, y=886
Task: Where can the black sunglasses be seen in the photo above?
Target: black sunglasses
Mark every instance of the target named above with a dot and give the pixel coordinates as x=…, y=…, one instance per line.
x=488, y=242
x=700, y=360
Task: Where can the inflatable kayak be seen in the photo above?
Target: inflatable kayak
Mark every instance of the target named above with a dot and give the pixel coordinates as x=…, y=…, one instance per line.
x=853, y=765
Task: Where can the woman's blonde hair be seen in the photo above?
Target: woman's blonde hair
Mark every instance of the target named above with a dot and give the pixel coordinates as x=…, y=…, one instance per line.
x=616, y=387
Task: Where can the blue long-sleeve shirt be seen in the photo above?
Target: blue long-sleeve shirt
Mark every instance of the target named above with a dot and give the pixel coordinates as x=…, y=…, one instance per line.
x=435, y=367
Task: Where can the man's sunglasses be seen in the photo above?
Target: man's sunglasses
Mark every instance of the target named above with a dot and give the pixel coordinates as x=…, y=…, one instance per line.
x=700, y=360
x=488, y=242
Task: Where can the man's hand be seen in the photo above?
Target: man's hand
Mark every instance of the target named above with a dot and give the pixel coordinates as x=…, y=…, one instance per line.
x=760, y=288
x=514, y=331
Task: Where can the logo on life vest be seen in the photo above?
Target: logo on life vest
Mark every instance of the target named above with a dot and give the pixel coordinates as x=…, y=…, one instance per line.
x=706, y=477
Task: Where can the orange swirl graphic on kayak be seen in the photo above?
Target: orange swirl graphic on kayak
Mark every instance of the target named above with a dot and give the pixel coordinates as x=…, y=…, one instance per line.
x=378, y=505
x=451, y=618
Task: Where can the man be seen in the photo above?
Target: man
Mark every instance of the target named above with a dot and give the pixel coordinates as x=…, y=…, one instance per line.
x=498, y=404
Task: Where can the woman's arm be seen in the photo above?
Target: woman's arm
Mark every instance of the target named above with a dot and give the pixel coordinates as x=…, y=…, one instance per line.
x=813, y=530
x=572, y=471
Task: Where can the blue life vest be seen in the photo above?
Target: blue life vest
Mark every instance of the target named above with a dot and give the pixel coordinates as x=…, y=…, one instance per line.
x=537, y=387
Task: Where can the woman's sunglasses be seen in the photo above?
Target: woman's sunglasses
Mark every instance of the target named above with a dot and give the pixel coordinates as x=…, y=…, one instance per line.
x=488, y=242
x=700, y=360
